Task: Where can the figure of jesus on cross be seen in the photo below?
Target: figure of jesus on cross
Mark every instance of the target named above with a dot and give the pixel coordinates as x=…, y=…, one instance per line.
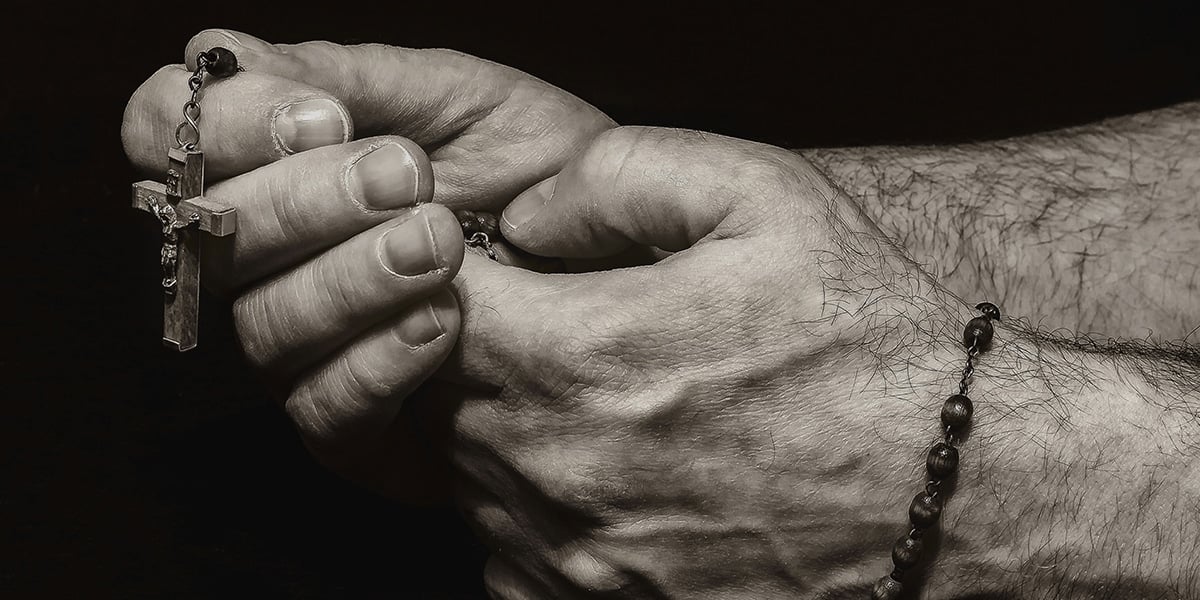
x=183, y=212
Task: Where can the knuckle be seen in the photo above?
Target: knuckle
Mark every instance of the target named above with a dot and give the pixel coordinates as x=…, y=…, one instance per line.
x=286, y=193
x=501, y=582
x=586, y=568
x=312, y=417
x=364, y=380
x=331, y=414
x=252, y=321
x=575, y=478
x=142, y=129
x=616, y=148
x=766, y=172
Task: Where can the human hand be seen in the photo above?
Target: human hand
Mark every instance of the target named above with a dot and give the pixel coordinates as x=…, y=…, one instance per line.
x=338, y=263
x=749, y=418
x=733, y=421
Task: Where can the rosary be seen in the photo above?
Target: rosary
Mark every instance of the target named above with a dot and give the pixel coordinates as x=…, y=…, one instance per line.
x=184, y=213
x=942, y=460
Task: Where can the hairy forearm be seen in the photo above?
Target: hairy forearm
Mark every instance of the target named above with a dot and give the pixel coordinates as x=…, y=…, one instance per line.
x=1094, y=229
x=1081, y=476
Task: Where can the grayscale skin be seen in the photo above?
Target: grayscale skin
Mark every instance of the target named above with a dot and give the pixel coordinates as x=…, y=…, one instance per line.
x=745, y=413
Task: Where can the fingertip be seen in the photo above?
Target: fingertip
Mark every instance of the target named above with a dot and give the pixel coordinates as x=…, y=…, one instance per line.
x=516, y=222
x=309, y=123
x=142, y=140
x=447, y=236
x=425, y=183
x=426, y=323
x=445, y=307
x=243, y=45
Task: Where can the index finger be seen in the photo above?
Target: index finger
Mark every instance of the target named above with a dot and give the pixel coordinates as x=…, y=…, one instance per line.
x=244, y=124
x=490, y=130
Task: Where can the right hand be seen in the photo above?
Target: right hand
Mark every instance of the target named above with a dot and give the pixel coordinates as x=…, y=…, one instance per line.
x=337, y=262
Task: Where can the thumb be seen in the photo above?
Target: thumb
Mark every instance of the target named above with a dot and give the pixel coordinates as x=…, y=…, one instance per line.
x=663, y=188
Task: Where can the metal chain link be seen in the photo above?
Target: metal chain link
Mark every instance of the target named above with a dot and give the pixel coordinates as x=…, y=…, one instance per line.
x=191, y=108
x=480, y=239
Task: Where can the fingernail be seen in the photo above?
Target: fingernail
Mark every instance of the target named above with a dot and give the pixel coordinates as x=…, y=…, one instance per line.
x=309, y=124
x=385, y=178
x=420, y=327
x=409, y=248
x=524, y=207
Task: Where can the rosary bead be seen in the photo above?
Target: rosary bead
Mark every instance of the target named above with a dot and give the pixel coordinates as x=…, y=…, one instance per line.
x=478, y=222
x=469, y=221
x=942, y=460
x=979, y=328
x=222, y=62
x=906, y=552
x=488, y=224
x=924, y=510
x=956, y=412
x=886, y=589
x=989, y=310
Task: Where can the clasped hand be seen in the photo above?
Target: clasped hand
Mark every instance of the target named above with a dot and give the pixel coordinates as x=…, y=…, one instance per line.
x=665, y=429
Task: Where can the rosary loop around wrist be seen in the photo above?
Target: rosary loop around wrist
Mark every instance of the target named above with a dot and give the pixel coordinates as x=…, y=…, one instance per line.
x=942, y=461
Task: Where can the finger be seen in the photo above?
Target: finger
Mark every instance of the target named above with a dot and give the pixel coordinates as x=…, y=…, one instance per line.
x=491, y=130
x=664, y=188
x=505, y=581
x=291, y=320
x=246, y=121
x=294, y=208
x=343, y=407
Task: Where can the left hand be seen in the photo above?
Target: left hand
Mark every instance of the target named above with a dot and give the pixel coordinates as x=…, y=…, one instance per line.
x=733, y=421
x=325, y=150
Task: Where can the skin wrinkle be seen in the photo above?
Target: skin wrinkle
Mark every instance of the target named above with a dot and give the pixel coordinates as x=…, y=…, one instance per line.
x=1049, y=461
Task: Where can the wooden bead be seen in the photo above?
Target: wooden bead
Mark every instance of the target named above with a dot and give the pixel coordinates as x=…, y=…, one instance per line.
x=906, y=552
x=979, y=331
x=924, y=510
x=478, y=222
x=488, y=224
x=942, y=460
x=469, y=221
x=989, y=310
x=221, y=62
x=887, y=589
x=956, y=412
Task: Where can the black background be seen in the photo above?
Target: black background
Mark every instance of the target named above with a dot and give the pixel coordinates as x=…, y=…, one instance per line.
x=130, y=472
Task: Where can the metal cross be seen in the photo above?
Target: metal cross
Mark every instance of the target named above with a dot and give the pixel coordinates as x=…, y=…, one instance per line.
x=183, y=212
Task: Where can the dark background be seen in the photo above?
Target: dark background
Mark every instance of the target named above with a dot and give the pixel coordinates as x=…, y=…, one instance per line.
x=131, y=472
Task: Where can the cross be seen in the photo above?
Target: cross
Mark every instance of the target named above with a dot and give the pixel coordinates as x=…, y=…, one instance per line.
x=183, y=212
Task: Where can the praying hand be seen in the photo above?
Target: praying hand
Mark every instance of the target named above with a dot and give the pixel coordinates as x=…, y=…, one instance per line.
x=703, y=366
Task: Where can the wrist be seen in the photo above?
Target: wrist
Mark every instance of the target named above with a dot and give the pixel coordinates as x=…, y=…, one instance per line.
x=933, y=203
x=1071, y=484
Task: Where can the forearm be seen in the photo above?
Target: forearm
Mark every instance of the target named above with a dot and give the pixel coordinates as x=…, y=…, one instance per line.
x=1081, y=476
x=1095, y=228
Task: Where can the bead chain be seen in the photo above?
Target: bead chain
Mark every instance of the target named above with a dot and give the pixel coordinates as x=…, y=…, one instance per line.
x=942, y=460
x=479, y=230
x=218, y=62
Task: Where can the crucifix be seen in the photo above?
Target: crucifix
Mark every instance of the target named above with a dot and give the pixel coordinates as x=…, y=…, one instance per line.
x=184, y=213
